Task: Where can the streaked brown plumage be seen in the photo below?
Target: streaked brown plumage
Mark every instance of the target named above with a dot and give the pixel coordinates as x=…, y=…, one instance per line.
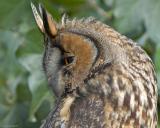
x=101, y=78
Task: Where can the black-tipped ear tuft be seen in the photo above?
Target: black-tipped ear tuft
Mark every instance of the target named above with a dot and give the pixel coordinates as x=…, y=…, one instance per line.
x=38, y=18
x=49, y=24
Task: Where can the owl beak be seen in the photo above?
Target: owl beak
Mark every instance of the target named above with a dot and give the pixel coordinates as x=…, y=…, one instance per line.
x=44, y=21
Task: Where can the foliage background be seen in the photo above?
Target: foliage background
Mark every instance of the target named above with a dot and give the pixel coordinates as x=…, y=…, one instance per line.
x=25, y=98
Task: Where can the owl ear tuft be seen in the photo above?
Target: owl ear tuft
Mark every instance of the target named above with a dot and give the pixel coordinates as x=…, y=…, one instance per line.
x=46, y=23
x=49, y=23
x=38, y=18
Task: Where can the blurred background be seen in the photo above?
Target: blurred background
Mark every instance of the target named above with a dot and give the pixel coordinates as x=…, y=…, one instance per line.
x=25, y=99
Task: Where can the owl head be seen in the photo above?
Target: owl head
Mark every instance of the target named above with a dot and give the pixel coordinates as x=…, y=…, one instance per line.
x=74, y=49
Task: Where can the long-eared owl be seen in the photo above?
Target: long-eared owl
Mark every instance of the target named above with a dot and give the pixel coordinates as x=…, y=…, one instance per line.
x=100, y=78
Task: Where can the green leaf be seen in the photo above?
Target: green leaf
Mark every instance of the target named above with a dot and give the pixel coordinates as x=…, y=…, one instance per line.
x=130, y=14
x=158, y=116
x=157, y=59
x=41, y=113
x=36, y=81
x=41, y=94
x=157, y=65
x=13, y=13
x=152, y=18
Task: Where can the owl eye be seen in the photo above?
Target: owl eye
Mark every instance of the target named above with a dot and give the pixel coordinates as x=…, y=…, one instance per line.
x=68, y=59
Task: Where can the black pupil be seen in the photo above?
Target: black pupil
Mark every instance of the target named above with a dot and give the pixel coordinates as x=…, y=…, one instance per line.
x=69, y=59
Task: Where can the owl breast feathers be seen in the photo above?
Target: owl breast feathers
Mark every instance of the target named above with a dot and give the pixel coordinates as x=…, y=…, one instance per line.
x=100, y=78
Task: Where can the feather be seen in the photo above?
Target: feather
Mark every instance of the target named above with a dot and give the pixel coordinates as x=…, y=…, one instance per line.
x=37, y=17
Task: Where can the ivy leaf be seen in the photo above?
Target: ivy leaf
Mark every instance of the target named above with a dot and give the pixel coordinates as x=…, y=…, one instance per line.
x=14, y=12
x=36, y=81
x=131, y=14
x=157, y=65
x=152, y=19
x=128, y=17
